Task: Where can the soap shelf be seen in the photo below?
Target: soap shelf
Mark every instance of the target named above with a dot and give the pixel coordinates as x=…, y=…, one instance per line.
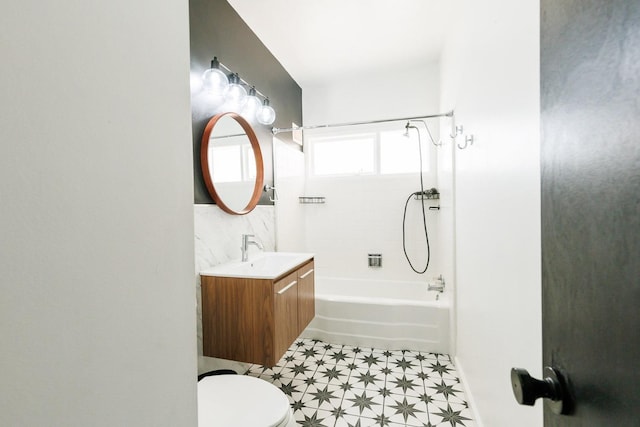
x=311, y=200
x=427, y=196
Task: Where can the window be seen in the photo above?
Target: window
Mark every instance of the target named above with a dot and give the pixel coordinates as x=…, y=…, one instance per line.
x=382, y=151
x=344, y=155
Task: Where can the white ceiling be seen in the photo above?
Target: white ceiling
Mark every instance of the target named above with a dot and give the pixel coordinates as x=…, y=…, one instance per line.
x=317, y=40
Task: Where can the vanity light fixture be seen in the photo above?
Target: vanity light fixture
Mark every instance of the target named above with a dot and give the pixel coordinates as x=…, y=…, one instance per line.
x=233, y=90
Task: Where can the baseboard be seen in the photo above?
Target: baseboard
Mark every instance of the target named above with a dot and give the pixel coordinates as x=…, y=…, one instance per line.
x=467, y=392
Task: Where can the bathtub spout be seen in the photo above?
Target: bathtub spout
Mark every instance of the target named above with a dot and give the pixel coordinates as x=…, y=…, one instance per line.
x=438, y=286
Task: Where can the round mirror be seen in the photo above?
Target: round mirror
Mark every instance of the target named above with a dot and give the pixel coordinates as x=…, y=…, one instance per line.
x=231, y=163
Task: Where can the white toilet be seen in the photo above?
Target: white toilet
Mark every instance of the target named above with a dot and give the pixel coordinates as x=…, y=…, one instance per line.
x=242, y=401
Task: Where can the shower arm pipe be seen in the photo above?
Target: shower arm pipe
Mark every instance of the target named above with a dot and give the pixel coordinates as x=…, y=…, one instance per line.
x=276, y=131
x=437, y=144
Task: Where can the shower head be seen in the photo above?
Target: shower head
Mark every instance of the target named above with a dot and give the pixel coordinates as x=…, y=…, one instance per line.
x=406, y=130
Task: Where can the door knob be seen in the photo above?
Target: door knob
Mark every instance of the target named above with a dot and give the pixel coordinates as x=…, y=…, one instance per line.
x=552, y=387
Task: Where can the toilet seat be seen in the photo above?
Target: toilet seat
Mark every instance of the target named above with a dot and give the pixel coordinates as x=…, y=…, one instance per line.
x=241, y=401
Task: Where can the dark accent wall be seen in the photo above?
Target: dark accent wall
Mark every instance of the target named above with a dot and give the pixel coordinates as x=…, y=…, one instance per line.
x=217, y=30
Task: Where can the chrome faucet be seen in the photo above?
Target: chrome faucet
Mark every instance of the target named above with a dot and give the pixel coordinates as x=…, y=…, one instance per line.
x=245, y=246
x=438, y=286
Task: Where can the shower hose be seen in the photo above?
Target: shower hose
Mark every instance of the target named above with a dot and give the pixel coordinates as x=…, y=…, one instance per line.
x=422, y=193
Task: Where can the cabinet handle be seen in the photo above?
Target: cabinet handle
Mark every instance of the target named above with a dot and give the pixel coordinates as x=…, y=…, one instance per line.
x=283, y=290
x=306, y=274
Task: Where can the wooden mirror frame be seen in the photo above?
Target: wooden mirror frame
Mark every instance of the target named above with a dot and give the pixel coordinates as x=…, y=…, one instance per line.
x=206, y=172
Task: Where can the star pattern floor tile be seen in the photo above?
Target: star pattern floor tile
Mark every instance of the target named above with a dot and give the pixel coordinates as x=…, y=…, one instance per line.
x=330, y=385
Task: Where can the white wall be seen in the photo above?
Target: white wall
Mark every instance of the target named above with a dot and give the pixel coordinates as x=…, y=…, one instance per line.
x=490, y=74
x=289, y=176
x=446, y=245
x=381, y=94
x=364, y=214
x=97, y=304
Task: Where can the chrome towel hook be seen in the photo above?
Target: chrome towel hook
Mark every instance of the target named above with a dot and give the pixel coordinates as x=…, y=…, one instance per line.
x=268, y=188
x=456, y=130
x=468, y=140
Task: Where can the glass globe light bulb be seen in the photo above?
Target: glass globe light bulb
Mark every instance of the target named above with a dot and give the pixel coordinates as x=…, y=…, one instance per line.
x=251, y=106
x=234, y=94
x=213, y=79
x=266, y=114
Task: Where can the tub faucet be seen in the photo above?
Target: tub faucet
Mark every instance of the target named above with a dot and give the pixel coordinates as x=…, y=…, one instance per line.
x=438, y=285
x=246, y=241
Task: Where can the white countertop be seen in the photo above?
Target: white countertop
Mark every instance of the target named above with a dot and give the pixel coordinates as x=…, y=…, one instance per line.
x=264, y=265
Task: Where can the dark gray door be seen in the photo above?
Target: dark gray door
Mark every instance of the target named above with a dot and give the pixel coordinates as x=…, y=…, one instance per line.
x=590, y=90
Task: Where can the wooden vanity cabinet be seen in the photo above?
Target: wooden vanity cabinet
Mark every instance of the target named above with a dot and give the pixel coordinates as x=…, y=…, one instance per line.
x=306, y=296
x=256, y=320
x=285, y=300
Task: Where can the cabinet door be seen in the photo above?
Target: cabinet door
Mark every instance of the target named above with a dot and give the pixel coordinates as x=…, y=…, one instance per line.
x=286, y=313
x=237, y=318
x=306, y=296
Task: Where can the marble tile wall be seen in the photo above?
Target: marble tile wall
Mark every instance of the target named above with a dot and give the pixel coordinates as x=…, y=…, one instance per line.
x=217, y=238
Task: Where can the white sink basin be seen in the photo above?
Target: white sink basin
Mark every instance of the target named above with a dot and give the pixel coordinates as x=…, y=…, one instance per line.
x=264, y=265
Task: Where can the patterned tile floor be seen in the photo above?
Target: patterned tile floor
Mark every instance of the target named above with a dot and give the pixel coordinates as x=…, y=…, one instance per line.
x=333, y=385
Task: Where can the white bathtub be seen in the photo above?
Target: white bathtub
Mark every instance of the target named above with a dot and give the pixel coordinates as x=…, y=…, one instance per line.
x=380, y=314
